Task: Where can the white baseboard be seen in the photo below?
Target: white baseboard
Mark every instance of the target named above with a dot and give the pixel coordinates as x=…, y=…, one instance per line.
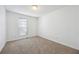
x=19, y=38
x=59, y=42
x=1, y=48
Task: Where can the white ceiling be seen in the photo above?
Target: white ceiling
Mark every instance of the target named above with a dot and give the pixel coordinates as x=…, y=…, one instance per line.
x=27, y=9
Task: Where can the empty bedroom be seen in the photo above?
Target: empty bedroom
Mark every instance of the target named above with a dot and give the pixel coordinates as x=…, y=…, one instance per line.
x=39, y=29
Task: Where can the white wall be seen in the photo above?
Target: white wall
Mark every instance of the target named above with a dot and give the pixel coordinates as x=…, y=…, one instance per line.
x=12, y=28
x=2, y=27
x=61, y=26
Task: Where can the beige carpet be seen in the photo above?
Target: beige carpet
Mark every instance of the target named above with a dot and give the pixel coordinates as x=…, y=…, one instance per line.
x=36, y=45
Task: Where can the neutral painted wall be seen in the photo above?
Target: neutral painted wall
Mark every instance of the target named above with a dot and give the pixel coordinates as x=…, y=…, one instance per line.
x=2, y=27
x=61, y=26
x=12, y=28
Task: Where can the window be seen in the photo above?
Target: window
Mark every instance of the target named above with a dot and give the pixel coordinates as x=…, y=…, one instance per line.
x=22, y=26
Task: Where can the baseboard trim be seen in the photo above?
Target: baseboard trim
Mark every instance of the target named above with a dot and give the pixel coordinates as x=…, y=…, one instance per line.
x=20, y=38
x=2, y=47
x=59, y=42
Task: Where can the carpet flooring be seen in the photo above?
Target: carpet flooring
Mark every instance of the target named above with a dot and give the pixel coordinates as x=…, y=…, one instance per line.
x=36, y=45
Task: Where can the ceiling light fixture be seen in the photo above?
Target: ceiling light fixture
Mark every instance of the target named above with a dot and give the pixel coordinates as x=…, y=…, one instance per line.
x=34, y=7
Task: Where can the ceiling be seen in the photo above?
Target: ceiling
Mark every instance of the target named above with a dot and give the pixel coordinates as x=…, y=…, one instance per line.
x=27, y=9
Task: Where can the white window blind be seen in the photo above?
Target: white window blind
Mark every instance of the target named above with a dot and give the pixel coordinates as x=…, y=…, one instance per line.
x=22, y=27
